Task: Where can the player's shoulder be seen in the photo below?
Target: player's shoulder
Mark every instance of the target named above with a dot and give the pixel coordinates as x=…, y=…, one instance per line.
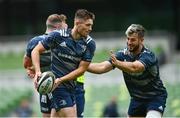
x=147, y=51
x=35, y=40
x=123, y=51
x=90, y=40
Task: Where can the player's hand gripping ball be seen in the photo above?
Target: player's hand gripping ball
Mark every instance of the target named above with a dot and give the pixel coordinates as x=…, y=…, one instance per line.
x=46, y=82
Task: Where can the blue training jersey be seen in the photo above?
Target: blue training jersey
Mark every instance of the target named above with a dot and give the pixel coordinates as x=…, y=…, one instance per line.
x=146, y=84
x=45, y=57
x=67, y=52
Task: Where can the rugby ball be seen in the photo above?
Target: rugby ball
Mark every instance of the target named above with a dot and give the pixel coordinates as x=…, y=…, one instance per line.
x=46, y=82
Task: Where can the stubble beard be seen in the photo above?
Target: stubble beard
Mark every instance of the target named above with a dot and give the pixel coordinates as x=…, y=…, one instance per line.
x=135, y=49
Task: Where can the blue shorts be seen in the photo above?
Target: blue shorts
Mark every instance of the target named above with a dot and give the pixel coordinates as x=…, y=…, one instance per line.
x=80, y=99
x=45, y=103
x=139, y=108
x=63, y=97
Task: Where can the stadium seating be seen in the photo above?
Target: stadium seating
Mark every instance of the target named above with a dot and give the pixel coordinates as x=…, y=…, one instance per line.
x=11, y=97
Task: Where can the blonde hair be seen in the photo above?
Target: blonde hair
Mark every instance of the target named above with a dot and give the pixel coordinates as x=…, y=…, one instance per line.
x=135, y=28
x=53, y=19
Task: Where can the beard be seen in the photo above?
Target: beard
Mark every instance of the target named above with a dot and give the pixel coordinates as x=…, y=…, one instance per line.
x=134, y=48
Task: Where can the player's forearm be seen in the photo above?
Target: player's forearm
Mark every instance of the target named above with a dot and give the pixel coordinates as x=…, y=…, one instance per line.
x=99, y=68
x=71, y=76
x=95, y=68
x=36, y=60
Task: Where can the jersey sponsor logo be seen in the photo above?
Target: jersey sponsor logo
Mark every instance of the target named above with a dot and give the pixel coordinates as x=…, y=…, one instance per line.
x=69, y=57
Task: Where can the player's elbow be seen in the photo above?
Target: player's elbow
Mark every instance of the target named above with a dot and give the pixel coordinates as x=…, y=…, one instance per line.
x=25, y=66
x=35, y=52
x=102, y=69
x=27, y=62
x=135, y=69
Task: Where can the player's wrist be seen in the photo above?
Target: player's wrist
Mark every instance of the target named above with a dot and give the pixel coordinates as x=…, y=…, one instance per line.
x=59, y=80
x=38, y=72
x=57, y=83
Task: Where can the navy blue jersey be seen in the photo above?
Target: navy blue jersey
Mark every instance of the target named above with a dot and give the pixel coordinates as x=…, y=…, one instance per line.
x=45, y=58
x=146, y=84
x=67, y=52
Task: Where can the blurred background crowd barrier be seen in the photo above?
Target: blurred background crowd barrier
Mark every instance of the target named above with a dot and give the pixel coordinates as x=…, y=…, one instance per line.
x=17, y=87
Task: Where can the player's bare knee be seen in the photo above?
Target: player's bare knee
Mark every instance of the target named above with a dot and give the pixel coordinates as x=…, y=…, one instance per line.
x=153, y=114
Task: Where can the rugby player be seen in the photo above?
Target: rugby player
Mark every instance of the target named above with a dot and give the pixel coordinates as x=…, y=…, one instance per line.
x=72, y=52
x=53, y=22
x=141, y=74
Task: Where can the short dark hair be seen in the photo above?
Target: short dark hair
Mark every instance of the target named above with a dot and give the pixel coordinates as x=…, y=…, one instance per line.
x=84, y=14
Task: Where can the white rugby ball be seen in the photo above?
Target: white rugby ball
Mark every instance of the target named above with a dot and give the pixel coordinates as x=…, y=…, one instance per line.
x=46, y=82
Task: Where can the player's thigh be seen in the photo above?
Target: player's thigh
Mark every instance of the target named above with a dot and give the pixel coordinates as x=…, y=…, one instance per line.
x=153, y=114
x=54, y=114
x=157, y=104
x=137, y=109
x=80, y=102
x=46, y=115
x=67, y=112
x=64, y=100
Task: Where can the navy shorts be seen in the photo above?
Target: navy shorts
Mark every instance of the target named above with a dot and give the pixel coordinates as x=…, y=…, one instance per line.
x=80, y=99
x=45, y=103
x=63, y=97
x=139, y=108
